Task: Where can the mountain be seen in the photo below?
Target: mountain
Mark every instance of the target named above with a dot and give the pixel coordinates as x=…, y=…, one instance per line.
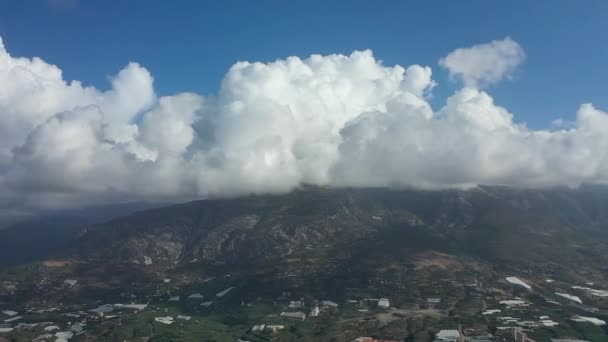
x=50, y=232
x=316, y=232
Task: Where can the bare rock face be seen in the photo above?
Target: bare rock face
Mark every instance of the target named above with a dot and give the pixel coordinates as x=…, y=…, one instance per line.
x=486, y=222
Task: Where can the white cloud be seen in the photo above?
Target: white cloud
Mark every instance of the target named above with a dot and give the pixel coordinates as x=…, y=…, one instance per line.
x=325, y=120
x=484, y=64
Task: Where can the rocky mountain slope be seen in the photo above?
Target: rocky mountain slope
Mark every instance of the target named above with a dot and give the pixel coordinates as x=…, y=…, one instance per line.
x=315, y=227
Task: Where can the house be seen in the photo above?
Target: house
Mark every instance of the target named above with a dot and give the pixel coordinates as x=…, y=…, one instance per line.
x=10, y=313
x=195, y=296
x=103, y=309
x=592, y=320
x=296, y=304
x=70, y=282
x=519, y=282
x=314, y=312
x=520, y=336
x=448, y=336
x=329, y=303
x=491, y=312
x=548, y=323
x=570, y=297
x=77, y=328
x=295, y=315
x=481, y=338
x=5, y=328
x=223, y=293
x=275, y=328
x=12, y=319
x=528, y=324
x=136, y=307
x=164, y=320
x=514, y=302
x=383, y=303
x=64, y=335
x=259, y=327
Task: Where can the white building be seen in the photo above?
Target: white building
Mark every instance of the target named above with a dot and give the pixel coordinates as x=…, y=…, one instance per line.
x=295, y=315
x=10, y=313
x=164, y=320
x=296, y=304
x=592, y=320
x=223, y=293
x=491, y=312
x=70, y=282
x=517, y=281
x=314, y=312
x=448, y=336
x=329, y=303
x=570, y=297
x=275, y=328
x=383, y=303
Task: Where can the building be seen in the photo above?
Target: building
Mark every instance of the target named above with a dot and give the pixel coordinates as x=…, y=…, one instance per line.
x=223, y=293
x=10, y=313
x=482, y=338
x=592, y=320
x=447, y=336
x=164, y=320
x=103, y=309
x=383, y=303
x=433, y=300
x=12, y=319
x=295, y=315
x=296, y=304
x=259, y=327
x=520, y=336
x=5, y=328
x=136, y=307
x=275, y=328
x=314, y=312
x=329, y=303
x=70, y=282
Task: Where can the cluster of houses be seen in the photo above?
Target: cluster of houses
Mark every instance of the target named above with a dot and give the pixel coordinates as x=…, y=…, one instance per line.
x=60, y=332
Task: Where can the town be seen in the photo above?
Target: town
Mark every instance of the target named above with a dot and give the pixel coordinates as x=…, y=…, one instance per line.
x=511, y=307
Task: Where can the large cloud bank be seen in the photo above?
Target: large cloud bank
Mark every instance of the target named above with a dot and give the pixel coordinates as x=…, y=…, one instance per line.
x=324, y=120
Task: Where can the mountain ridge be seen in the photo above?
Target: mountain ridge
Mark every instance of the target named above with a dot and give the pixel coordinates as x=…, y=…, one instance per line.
x=487, y=223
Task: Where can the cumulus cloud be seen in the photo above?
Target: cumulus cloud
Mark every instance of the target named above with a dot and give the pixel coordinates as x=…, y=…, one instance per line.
x=325, y=120
x=484, y=64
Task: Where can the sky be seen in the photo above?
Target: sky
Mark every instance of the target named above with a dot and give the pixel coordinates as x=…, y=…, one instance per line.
x=102, y=102
x=189, y=45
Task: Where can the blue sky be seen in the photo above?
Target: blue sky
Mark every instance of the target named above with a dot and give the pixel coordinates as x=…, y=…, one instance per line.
x=189, y=45
x=328, y=121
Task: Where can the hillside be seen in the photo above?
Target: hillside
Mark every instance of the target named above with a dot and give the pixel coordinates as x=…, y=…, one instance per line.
x=440, y=257
x=564, y=227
